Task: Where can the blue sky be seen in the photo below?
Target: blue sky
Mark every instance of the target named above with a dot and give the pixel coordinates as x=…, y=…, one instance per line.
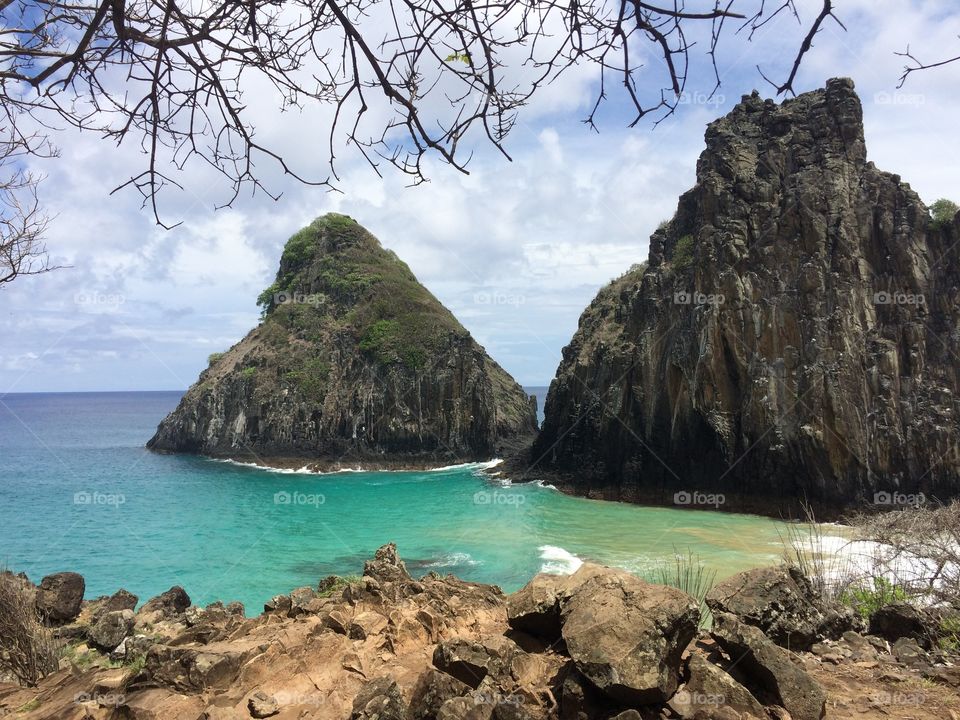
x=515, y=250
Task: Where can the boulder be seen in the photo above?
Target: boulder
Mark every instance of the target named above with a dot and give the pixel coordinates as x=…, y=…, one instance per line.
x=120, y=600
x=626, y=635
x=190, y=669
x=535, y=608
x=432, y=690
x=908, y=652
x=770, y=667
x=300, y=600
x=262, y=705
x=172, y=602
x=379, y=699
x=465, y=708
x=386, y=566
x=111, y=629
x=366, y=624
x=899, y=620
x=708, y=688
x=471, y=661
x=280, y=604
x=60, y=597
x=781, y=602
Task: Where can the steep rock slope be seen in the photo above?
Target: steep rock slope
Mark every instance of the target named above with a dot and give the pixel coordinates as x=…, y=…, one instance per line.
x=793, y=334
x=354, y=361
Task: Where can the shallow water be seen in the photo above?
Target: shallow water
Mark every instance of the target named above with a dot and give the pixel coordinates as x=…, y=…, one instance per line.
x=79, y=492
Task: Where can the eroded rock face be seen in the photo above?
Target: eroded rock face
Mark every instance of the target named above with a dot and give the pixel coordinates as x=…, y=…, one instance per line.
x=792, y=334
x=354, y=360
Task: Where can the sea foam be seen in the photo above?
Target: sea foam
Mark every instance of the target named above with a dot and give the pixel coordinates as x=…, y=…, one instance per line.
x=557, y=561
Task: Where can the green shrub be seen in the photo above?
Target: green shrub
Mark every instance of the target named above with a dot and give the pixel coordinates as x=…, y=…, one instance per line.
x=339, y=584
x=248, y=372
x=683, y=253
x=689, y=574
x=867, y=600
x=943, y=211
x=311, y=378
x=214, y=357
x=950, y=634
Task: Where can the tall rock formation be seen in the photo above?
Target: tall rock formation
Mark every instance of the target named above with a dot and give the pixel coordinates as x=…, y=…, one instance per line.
x=354, y=362
x=793, y=335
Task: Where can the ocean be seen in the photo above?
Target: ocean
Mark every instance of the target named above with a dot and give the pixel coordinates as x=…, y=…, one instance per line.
x=78, y=491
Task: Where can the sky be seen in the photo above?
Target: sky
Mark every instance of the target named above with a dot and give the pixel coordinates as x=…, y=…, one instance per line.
x=515, y=249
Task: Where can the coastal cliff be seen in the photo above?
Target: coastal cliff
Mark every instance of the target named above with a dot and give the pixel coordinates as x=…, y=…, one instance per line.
x=354, y=362
x=792, y=335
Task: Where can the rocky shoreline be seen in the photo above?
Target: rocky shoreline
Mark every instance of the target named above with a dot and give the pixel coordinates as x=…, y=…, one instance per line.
x=600, y=643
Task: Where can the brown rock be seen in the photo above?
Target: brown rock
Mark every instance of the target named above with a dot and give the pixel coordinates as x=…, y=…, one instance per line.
x=59, y=597
x=770, y=667
x=379, y=699
x=366, y=624
x=432, y=690
x=710, y=688
x=781, y=602
x=172, y=602
x=262, y=705
x=625, y=635
x=535, y=608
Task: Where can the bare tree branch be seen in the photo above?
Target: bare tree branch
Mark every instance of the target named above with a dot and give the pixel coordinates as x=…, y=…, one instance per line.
x=170, y=75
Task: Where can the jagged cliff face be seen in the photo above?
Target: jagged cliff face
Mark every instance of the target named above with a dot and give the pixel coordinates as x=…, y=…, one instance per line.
x=354, y=361
x=793, y=334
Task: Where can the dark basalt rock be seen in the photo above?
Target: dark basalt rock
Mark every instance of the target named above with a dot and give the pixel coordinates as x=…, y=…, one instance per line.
x=781, y=602
x=60, y=597
x=354, y=362
x=791, y=336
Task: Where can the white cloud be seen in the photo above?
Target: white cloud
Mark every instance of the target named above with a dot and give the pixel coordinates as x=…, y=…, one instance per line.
x=515, y=249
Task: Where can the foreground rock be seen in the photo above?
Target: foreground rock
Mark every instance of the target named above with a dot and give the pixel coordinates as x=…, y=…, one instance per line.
x=349, y=334
x=790, y=335
x=625, y=635
x=59, y=597
x=443, y=649
x=771, y=667
x=781, y=602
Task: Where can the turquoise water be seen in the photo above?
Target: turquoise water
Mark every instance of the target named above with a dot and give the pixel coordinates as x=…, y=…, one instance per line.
x=79, y=492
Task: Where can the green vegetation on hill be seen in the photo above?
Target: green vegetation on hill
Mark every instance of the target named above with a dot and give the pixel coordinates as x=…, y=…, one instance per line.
x=339, y=280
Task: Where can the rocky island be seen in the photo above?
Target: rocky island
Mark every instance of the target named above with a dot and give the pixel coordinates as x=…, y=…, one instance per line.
x=792, y=335
x=354, y=363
